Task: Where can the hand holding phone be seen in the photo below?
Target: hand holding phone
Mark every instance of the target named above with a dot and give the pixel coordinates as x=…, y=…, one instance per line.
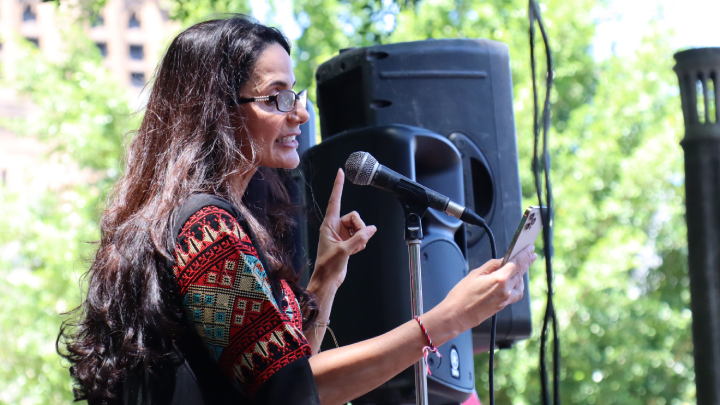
x=528, y=230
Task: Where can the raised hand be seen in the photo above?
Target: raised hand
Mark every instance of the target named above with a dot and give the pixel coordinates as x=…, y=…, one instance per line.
x=486, y=290
x=340, y=237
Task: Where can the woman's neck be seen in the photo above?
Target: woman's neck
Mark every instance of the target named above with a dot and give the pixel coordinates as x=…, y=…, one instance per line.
x=239, y=183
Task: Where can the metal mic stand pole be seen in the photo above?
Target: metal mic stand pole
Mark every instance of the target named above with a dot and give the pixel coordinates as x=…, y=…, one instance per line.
x=413, y=237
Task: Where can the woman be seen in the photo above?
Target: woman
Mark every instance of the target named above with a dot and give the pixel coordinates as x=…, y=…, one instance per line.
x=189, y=268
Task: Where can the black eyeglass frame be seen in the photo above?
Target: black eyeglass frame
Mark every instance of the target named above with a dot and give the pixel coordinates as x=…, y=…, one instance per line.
x=273, y=98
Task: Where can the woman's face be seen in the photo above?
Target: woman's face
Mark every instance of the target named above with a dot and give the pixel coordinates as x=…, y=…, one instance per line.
x=272, y=131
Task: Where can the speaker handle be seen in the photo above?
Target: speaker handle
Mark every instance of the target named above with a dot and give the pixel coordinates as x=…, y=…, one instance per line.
x=478, y=183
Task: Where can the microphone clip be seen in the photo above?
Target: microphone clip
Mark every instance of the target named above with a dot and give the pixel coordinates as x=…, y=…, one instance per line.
x=413, y=219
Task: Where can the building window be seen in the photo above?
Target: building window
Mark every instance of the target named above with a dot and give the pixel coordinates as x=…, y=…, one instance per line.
x=98, y=21
x=133, y=22
x=29, y=15
x=102, y=47
x=136, y=52
x=137, y=79
x=34, y=41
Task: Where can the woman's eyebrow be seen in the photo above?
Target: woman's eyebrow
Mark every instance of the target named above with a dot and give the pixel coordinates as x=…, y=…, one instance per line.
x=281, y=83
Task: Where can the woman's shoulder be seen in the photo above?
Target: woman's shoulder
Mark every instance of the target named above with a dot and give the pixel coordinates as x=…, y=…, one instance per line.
x=210, y=233
x=205, y=207
x=204, y=220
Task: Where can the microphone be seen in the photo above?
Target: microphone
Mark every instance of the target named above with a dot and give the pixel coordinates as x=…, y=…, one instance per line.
x=363, y=169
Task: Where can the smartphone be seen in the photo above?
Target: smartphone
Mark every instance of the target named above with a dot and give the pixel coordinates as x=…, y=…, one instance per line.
x=528, y=230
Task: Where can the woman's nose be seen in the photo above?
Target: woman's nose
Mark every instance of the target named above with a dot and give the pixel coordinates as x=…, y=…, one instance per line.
x=300, y=114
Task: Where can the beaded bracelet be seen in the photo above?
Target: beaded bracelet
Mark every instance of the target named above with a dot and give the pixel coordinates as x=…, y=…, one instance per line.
x=430, y=347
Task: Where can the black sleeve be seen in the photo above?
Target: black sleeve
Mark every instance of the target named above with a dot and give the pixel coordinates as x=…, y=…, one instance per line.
x=292, y=384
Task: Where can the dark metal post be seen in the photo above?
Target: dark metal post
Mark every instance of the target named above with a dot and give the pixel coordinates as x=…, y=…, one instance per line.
x=698, y=72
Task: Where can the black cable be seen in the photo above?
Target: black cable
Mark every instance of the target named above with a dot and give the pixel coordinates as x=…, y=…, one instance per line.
x=547, y=215
x=493, y=322
x=493, y=249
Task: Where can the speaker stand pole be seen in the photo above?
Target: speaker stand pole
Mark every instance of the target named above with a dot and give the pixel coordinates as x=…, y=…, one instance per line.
x=413, y=237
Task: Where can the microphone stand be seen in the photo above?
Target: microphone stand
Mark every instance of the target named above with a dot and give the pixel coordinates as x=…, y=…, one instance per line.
x=413, y=238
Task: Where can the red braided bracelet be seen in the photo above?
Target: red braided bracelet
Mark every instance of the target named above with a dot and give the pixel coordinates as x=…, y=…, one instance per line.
x=430, y=347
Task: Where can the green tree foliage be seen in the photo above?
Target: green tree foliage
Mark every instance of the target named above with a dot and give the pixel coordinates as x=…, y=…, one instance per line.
x=82, y=113
x=620, y=260
x=193, y=11
x=621, y=286
x=82, y=110
x=331, y=25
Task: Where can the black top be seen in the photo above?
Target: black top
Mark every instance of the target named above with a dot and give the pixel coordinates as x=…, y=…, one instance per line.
x=191, y=376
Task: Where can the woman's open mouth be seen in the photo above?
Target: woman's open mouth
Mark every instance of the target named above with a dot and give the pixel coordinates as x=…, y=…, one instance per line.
x=286, y=139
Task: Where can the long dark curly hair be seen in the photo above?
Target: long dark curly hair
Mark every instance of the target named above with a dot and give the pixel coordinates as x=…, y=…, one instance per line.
x=185, y=145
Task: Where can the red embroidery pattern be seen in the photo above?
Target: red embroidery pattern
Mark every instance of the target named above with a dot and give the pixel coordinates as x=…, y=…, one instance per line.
x=228, y=299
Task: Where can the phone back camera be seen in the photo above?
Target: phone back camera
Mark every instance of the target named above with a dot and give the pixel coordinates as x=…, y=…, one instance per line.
x=531, y=221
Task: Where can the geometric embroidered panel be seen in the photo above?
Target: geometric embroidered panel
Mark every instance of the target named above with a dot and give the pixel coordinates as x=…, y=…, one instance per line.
x=210, y=309
x=229, y=300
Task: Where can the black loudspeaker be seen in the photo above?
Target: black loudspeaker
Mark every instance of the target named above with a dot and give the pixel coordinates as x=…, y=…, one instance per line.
x=462, y=90
x=375, y=297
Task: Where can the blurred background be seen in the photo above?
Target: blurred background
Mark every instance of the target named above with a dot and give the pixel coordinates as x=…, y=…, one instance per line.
x=75, y=76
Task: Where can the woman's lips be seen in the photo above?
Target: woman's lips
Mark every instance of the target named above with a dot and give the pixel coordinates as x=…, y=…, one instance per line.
x=286, y=139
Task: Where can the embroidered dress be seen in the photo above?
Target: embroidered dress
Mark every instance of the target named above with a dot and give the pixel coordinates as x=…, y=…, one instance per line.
x=228, y=299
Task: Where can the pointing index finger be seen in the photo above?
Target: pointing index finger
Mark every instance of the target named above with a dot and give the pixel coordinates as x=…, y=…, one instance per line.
x=333, y=209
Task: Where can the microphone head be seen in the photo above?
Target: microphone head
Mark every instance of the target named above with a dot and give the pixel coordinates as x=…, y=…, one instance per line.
x=360, y=167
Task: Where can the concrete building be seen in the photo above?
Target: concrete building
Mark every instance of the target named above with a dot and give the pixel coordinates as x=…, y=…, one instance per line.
x=131, y=36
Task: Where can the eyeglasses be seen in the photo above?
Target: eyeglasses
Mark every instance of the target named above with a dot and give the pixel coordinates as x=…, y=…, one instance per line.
x=284, y=100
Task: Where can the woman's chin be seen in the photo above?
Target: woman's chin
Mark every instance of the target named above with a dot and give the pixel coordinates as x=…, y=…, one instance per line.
x=286, y=161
